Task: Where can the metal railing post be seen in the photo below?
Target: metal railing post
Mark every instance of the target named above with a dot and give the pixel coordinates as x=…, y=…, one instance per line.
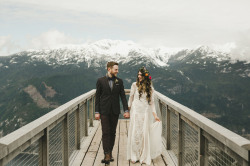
x=179, y=140
x=202, y=153
x=86, y=118
x=206, y=153
x=77, y=127
x=245, y=162
x=44, y=148
x=168, y=128
x=66, y=140
x=164, y=118
x=94, y=107
x=91, y=112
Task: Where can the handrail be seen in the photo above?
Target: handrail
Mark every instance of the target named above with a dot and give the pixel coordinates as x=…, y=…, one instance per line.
x=35, y=130
x=206, y=128
x=193, y=139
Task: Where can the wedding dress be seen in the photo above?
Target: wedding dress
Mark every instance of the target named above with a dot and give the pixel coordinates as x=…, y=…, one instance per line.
x=139, y=138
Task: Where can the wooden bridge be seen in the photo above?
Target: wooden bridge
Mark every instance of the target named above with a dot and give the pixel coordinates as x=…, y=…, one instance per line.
x=69, y=135
x=91, y=151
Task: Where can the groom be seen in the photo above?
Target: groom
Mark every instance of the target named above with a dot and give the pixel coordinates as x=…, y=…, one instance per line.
x=107, y=107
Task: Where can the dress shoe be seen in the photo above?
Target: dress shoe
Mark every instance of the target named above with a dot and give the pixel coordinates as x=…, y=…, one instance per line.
x=111, y=158
x=134, y=161
x=106, y=159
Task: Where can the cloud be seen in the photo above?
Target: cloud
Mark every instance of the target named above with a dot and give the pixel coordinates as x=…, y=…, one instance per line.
x=48, y=40
x=226, y=48
x=7, y=46
x=239, y=49
x=174, y=23
x=52, y=39
x=173, y=11
x=242, y=47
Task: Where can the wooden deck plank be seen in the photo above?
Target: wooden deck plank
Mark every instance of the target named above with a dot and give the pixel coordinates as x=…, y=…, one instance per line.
x=96, y=141
x=159, y=161
x=152, y=163
x=90, y=156
x=167, y=158
x=85, y=143
x=116, y=146
x=99, y=157
x=91, y=152
x=122, y=156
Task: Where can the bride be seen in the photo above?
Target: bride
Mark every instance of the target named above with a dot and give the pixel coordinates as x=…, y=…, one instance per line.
x=141, y=106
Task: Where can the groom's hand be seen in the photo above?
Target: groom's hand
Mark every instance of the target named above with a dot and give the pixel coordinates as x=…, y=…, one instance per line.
x=97, y=116
x=126, y=115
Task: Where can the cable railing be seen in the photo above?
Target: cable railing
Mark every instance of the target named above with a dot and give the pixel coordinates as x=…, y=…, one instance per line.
x=51, y=139
x=190, y=138
x=195, y=140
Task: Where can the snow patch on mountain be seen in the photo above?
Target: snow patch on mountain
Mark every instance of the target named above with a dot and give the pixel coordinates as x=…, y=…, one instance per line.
x=238, y=51
x=226, y=70
x=208, y=52
x=103, y=50
x=181, y=72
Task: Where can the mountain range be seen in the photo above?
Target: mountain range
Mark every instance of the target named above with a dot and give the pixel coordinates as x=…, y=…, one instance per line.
x=209, y=81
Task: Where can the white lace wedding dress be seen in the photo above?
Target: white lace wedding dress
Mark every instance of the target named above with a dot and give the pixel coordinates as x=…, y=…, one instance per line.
x=138, y=145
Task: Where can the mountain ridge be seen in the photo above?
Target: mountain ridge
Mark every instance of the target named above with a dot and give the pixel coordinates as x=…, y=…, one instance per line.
x=203, y=79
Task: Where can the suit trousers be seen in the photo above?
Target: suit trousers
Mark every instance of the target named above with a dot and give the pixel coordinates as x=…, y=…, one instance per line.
x=109, y=123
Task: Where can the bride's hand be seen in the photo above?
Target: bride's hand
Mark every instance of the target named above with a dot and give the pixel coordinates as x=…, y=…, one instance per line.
x=157, y=119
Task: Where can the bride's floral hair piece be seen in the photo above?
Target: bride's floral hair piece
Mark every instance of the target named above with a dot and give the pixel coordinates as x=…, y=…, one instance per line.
x=146, y=84
x=145, y=72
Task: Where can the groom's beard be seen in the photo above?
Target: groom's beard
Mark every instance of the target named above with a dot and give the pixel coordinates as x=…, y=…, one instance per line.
x=113, y=74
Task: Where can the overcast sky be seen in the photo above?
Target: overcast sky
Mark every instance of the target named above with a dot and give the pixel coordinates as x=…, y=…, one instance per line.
x=35, y=24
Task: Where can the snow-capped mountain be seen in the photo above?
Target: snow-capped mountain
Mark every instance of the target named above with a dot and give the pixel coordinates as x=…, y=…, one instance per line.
x=120, y=51
x=204, y=79
x=104, y=50
x=203, y=52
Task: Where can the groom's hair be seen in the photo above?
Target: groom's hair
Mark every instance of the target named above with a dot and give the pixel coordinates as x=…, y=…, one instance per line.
x=111, y=64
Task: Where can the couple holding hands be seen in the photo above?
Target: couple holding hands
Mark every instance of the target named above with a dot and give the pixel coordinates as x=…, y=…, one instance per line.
x=140, y=109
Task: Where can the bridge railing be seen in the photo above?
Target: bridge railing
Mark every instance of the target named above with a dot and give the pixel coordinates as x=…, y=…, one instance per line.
x=195, y=140
x=191, y=138
x=51, y=139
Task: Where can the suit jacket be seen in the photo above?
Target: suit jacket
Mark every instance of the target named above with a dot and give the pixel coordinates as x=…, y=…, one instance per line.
x=107, y=100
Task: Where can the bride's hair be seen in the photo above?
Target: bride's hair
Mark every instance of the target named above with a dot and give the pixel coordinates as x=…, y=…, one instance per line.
x=145, y=85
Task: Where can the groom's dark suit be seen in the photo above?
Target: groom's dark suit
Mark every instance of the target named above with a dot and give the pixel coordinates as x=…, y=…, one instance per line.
x=107, y=103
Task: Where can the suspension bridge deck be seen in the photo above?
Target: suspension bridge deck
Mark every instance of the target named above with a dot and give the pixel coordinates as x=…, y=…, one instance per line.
x=91, y=152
